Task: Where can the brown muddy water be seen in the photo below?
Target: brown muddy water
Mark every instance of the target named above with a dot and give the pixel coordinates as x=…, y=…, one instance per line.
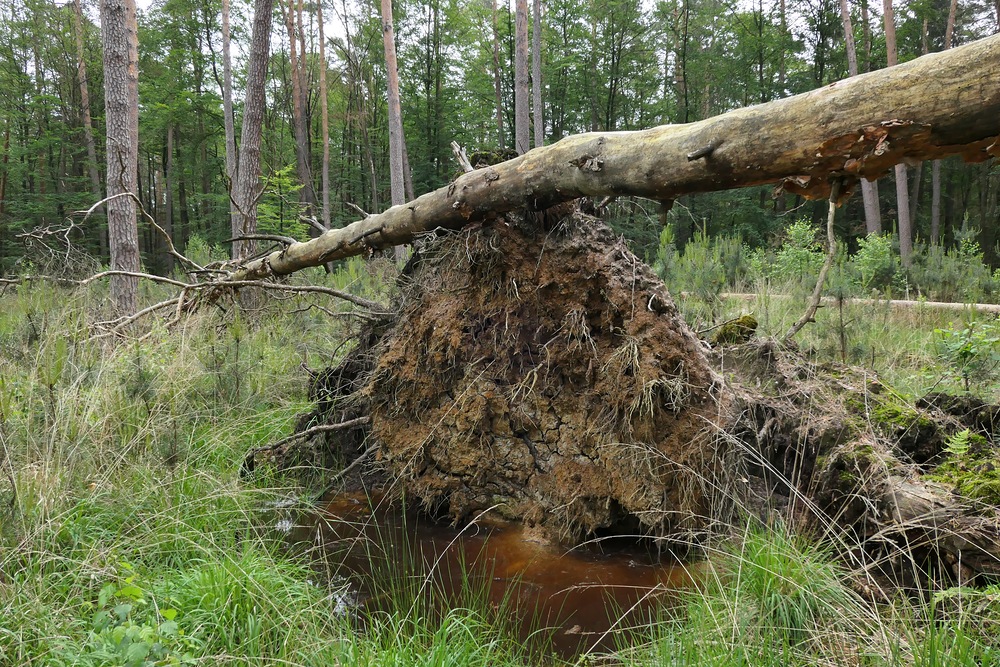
x=557, y=601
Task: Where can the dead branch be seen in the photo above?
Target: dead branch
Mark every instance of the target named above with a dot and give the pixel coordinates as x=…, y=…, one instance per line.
x=831, y=252
x=310, y=432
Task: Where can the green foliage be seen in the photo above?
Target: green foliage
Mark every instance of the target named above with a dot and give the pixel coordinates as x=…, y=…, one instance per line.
x=953, y=274
x=704, y=268
x=972, y=351
x=800, y=257
x=875, y=264
x=971, y=466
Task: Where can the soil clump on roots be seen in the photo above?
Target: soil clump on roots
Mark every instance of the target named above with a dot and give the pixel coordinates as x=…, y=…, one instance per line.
x=541, y=373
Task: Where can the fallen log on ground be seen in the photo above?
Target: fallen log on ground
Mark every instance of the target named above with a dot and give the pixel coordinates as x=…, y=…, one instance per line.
x=993, y=308
x=938, y=105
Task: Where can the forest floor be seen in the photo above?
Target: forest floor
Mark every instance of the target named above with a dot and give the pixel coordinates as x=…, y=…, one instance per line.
x=129, y=537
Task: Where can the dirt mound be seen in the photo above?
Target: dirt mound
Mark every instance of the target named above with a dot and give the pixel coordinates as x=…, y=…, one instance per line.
x=544, y=374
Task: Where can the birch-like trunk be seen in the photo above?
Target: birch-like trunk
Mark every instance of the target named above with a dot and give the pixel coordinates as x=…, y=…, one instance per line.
x=902, y=185
x=307, y=195
x=496, y=79
x=869, y=193
x=936, y=167
x=396, y=179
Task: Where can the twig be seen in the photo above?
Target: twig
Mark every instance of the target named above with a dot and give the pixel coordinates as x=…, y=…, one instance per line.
x=831, y=251
x=704, y=152
x=135, y=274
x=603, y=204
x=118, y=325
x=343, y=473
x=317, y=289
x=721, y=324
x=314, y=223
x=277, y=238
x=357, y=209
x=309, y=432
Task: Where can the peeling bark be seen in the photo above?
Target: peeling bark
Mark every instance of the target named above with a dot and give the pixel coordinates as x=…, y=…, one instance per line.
x=931, y=107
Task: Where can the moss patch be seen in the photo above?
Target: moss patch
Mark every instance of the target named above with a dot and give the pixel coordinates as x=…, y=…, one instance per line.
x=736, y=332
x=972, y=467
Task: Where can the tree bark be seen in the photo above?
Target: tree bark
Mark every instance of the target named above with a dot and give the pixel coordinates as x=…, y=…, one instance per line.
x=930, y=107
x=396, y=179
x=168, y=199
x=324, y=118
x=869, y=195
x=248, y=170
x=522, y=142
x=936, y=166
x=496, y=79
x=229, y=121
x=902, y=185
x=307, y=196
x=536, y=72
x=121, y=100
x=88, y=125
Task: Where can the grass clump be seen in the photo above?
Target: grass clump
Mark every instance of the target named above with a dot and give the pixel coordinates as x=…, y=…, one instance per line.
x=770, y=599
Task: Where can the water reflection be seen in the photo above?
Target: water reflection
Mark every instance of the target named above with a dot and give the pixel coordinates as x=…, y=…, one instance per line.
x=581, y=598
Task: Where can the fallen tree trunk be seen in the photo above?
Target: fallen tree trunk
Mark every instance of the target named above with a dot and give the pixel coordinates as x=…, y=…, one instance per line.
x=993, y=308
x=938, y=105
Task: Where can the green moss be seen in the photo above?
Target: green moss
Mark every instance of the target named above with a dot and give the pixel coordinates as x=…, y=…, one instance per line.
x=736, y=331
x=972, y=468
x=896, y=416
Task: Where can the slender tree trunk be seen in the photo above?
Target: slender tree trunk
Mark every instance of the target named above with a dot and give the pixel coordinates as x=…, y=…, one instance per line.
x=121, y=100
x=324, y=118
x=168, y=194
x=307, y=195
x=248, y=170
x=88, y=125
x=522, y=142
x=496, y=79
x=396, y=140
x=866, y=35
x=869, y=195
x=4, y=173
x=936, y=166
x=949, y=30
x=536, y=72
x=228, y=120
x=902, y=184
x=936, y=201
x=782, y=64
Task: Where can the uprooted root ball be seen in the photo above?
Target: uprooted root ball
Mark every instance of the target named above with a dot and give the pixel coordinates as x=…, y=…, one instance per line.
x=546, y=375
